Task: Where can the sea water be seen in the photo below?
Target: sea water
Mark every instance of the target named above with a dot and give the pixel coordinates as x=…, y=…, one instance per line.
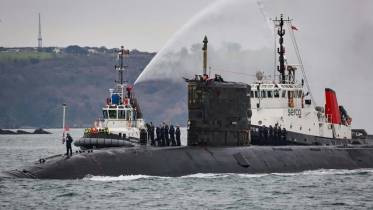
x=320, y=189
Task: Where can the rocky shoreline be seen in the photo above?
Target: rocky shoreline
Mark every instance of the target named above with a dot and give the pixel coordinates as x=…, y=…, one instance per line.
x=21, y=132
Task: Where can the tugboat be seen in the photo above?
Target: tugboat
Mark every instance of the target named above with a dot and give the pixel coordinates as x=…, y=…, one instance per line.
x=122, y=123
x=284, y=112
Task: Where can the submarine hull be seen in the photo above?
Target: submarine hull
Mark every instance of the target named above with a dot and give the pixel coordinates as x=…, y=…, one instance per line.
x=180, y=161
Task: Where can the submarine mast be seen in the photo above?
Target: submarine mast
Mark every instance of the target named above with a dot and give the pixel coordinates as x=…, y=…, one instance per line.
x=204, y=49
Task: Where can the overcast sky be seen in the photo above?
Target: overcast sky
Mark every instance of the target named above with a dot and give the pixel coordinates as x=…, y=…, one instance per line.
x=141, y=24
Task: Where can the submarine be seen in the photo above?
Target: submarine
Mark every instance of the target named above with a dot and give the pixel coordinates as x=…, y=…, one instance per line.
x=226, y=134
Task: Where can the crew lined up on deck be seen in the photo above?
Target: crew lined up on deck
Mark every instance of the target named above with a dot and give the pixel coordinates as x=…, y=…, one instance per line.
x=166, y=135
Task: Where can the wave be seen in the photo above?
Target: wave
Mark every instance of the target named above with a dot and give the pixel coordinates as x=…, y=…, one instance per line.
x=206, y=175
x=322, y=172
x=120, y=178
x=319, y=172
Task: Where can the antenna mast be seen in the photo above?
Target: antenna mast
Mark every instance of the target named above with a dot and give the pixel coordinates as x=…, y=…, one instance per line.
x=281, y=49
x=121, y=67
x=39, y=37
x=204, y=48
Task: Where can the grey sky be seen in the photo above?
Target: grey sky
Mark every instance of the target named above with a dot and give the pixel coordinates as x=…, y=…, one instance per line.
x=141, y=24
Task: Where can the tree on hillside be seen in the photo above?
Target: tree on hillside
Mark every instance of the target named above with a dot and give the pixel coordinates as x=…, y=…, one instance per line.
x=75, y=49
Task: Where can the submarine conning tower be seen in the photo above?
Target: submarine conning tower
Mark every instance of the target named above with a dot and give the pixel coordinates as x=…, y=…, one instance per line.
x=218, y=111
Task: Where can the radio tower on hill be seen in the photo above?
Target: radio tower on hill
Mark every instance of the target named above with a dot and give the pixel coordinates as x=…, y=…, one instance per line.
x=39, y=37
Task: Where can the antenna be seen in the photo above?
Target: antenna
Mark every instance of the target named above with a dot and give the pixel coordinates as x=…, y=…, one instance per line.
x=63, y=122
x=40, y=40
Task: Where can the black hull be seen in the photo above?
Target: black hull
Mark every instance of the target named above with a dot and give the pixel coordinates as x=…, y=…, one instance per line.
x=258, y=137
x=179, y=161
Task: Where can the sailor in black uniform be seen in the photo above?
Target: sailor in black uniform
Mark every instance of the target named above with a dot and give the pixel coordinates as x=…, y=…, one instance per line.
x=166, y=135
x=172, y=135
x=151, y=132
x=283, y=134
x=158, y=132
x=163, y=142
x=271, y=134
x=277, y=134
x=265, y=134
x=147, y=126
x=69, y=140
x=177, y=132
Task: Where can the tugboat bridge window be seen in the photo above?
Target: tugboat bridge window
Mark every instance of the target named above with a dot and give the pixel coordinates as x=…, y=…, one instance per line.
x=122, y=114
x=269, y=93
x=290, y=94
x=263, y=94
x=105, y=114
x=276, y=94
x=284, y=93
x=256, y=94
x=299, y=94
x=112, y=114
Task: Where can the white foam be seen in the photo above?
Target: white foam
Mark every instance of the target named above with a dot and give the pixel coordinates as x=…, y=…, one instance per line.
x=319, y=172
x=323, y=172
x=206, y=175
x=337, y=171
x=251, y=175
x=118, y=178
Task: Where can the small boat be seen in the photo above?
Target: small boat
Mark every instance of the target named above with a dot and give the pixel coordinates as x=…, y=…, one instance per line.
x=122, y=123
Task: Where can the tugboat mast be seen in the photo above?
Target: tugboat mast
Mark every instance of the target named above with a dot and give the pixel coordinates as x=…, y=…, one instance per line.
x=281, y=49
x=121, y=67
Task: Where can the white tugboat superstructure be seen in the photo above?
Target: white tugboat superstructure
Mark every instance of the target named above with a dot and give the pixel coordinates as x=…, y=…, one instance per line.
x=288, y=106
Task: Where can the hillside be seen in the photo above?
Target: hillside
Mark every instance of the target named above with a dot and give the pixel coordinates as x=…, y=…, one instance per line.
x=33, y=85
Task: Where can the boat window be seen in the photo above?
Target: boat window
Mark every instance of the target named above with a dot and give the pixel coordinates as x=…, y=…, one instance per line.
x=269, y=94
x=256, y=94
x=252, y=94
x=276, y=94
x=122, y=114
x=290, y=94
x=299, y=94
x=104, y=113
x=263, y=94
x=284, y=93
x=113, y=114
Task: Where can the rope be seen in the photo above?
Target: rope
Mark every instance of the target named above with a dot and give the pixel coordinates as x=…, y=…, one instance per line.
x=292, y=35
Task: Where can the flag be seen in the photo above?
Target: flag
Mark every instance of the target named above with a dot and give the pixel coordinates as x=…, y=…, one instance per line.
x=294, y=28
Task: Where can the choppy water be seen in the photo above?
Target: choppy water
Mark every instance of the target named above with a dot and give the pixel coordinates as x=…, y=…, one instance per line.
x=321, y=189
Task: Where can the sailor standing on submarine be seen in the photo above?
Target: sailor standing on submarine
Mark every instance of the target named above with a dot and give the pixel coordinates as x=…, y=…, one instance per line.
x=69, y=141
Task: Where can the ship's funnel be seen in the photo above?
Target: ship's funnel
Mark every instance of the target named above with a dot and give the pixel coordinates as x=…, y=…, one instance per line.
x=331, y=107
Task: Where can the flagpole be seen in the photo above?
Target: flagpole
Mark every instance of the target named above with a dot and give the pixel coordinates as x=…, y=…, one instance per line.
x=63, y=122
